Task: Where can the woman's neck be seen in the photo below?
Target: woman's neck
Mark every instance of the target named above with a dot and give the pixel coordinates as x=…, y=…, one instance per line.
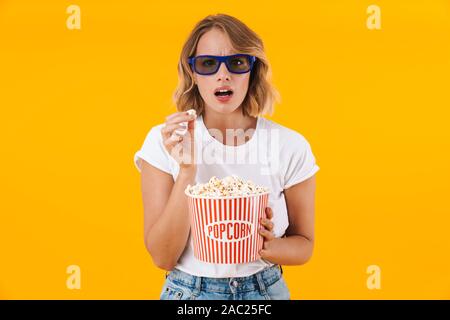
x=235, y=120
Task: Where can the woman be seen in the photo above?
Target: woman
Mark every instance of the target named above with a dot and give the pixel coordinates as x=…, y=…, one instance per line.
x=224, y=76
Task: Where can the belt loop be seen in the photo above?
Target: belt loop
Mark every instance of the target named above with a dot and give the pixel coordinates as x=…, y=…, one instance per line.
x=262, y=286
x=281, y=269
x=197, y=286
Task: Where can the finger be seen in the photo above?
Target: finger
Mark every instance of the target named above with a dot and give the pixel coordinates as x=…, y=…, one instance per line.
x=171, y=116
x=266, y=234
x=191, y=125
x=263, y=253
x=175, y=137
x=182, y=117
x=267, y=223
x=168, y=129
x=172, y=140
x=269, y=213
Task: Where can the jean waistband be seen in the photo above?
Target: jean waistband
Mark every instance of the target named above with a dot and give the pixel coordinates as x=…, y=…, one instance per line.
x=258, y=281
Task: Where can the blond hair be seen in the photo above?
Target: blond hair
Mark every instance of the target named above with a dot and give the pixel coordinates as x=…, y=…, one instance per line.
x=261, y=95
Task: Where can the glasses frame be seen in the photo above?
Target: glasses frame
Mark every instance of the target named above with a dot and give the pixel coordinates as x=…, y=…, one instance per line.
x=222, y=59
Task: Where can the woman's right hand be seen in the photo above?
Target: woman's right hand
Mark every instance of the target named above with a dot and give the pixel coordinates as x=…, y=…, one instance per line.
x=180, y=147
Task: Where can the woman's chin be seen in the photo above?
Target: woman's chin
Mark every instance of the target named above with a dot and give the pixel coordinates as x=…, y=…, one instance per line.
x=224, y=108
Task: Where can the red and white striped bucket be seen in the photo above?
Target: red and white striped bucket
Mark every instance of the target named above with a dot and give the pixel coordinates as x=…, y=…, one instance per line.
x=225, y=230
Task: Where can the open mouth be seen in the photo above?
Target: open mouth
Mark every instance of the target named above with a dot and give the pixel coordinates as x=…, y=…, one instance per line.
x=223, y=93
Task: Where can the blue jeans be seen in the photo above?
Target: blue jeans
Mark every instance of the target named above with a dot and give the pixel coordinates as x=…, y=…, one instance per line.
x=268, y=284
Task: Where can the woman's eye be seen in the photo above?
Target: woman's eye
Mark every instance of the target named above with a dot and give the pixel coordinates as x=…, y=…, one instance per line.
x=209, y=62
x=237, y=62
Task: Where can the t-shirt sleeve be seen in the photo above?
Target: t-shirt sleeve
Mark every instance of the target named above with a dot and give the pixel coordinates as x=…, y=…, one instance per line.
x=301, y=163
x=153, y=151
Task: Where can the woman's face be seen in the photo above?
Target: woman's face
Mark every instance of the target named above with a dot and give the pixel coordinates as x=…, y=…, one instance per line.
x=215, y=42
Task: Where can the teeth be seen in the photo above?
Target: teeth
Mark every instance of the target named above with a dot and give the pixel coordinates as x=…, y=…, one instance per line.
x=224, y=90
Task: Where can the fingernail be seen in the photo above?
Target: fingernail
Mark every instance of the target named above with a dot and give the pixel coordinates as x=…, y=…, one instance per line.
x=191, y=113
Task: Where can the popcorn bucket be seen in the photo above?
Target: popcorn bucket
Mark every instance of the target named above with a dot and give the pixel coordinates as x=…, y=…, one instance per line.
x=225, y=229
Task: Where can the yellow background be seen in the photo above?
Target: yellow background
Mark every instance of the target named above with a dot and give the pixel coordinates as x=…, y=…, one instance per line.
x=76, y=105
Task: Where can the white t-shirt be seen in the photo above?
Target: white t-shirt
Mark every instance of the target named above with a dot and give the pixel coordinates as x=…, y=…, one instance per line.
x=275, y=156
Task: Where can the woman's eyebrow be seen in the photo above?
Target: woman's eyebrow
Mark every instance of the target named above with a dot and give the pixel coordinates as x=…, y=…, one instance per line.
x=216, y=55
x=228, y=53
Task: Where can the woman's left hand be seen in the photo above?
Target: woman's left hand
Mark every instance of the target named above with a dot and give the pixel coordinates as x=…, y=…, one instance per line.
x=267, y=252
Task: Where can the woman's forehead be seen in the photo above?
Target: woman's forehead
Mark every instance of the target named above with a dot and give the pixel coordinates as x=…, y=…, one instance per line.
x=214, y=42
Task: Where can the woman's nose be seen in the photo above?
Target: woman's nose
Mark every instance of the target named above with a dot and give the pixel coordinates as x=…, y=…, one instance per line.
x=223, y=73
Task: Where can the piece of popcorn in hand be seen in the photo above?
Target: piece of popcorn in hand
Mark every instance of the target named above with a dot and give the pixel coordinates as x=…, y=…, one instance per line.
x=182, y=131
